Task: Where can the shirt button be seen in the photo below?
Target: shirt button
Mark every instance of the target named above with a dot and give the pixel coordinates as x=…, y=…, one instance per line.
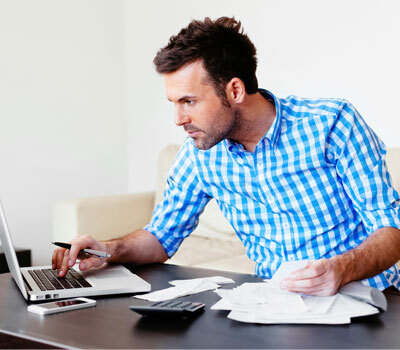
x=285, y=225
x=291, y=258
x=269, y=198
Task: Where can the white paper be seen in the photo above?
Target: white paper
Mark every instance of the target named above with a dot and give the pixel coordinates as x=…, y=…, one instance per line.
x=184, y=287
x=317, y=304
x=360, y=291
x=278, y=301
x=214, y=279
x=222, y=304
x=262, y=296
x=247, y=317
x=266, y=303
x=345, y=305
x=286, y=268
x=341, y=312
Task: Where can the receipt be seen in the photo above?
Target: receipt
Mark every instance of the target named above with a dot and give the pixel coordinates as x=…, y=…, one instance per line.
x=215, y=279
x=286, y=268
x=266, y=303
x=260, y=297
x=185, y=287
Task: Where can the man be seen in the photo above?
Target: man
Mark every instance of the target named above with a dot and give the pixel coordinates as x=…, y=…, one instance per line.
x=297, y=178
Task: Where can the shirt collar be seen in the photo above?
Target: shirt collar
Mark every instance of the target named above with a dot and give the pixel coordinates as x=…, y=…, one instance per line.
x=274, y=131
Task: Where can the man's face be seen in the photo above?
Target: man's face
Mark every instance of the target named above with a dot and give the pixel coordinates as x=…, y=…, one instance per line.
x=197, y=107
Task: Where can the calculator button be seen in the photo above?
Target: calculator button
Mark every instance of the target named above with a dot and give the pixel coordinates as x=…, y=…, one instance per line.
x=175, y=305
x=186, y=304
x=165, y=304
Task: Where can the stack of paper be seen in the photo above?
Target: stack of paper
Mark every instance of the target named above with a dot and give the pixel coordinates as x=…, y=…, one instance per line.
x=267, y=303
x=185, y=287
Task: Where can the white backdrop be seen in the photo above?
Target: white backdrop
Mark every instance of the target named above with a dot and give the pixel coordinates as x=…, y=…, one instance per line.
x=83, y=112
x=63, y=128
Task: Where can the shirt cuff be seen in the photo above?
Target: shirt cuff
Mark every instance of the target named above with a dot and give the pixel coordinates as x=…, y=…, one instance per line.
x=168, y=241
x=386, y=218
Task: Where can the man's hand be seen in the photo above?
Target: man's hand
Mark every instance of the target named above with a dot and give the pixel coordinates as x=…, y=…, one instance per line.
x=63, y=259
x=321, y=277
x=139, y=247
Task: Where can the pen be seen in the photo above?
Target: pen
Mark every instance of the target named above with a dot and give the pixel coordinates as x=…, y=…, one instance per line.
x=98, y=253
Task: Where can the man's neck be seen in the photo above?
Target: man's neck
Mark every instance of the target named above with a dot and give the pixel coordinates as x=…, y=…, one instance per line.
x=257, y=116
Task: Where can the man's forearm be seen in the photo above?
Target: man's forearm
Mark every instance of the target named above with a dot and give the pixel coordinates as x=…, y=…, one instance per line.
x=139, y=247
x=377, y=253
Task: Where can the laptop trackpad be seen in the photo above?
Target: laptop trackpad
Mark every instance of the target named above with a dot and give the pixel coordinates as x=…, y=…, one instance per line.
x=110, y=274
x=106, y=271
x=115, y=277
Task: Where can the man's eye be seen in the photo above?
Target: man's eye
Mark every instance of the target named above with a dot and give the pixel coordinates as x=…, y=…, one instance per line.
x=189, y=102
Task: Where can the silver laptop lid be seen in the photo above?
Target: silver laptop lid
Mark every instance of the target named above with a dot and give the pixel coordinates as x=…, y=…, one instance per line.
x=9, y=250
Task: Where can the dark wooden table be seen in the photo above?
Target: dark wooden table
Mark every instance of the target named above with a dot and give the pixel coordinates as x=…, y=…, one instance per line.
x=112, y=325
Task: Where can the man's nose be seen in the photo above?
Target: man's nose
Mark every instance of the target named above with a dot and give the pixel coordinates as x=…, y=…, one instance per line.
x=181, y=118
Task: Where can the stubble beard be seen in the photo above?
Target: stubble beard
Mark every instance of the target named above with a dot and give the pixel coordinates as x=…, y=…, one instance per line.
x=217, y=132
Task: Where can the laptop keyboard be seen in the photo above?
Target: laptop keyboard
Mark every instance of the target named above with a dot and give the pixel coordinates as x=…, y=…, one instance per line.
x=47, y=279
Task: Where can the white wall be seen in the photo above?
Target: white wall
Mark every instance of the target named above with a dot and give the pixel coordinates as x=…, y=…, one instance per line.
x=63, y=131
x=341, y=48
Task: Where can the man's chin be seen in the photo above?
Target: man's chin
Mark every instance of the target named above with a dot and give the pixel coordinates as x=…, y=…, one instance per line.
x=202, y=144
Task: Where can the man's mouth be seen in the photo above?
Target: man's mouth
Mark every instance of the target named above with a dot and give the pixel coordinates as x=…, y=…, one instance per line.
x=192, y=132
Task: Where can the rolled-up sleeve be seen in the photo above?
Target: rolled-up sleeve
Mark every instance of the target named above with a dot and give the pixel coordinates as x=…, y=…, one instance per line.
x=177, y=215
x=359, y=157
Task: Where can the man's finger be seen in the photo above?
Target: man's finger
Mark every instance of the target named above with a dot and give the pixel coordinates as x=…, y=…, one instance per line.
x=63, y=259
x=301, y=285
x=64, y=264
x=77, y=244
x=91, y=262
x=312, y=270
x=59, y=257
x=54, y=259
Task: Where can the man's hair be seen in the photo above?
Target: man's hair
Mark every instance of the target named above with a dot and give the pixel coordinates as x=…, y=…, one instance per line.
x=224, y=49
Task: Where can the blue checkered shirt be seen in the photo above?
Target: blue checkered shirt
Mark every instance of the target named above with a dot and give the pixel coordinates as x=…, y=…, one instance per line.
x=316, y=186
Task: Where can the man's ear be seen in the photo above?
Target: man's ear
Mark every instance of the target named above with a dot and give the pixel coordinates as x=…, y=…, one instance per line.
x=235, y=91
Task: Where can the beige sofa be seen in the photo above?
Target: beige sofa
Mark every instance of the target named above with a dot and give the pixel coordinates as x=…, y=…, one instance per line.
x=213, y=244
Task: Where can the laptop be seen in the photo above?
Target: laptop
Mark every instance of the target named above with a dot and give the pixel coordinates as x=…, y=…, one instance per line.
x=42, y=283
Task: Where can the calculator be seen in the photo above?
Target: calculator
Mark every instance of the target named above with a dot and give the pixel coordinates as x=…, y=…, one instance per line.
x=170, y=308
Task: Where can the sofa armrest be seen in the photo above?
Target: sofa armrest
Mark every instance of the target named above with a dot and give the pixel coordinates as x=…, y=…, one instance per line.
x=102, y=217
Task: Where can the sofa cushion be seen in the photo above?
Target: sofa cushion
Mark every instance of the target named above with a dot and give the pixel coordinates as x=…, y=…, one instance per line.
x=393, y=163
x=213, y=253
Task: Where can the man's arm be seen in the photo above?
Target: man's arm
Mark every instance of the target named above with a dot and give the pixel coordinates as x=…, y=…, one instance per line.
x=358, y=156
x=174, y=218
x=377, y=253
x=139, y=247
